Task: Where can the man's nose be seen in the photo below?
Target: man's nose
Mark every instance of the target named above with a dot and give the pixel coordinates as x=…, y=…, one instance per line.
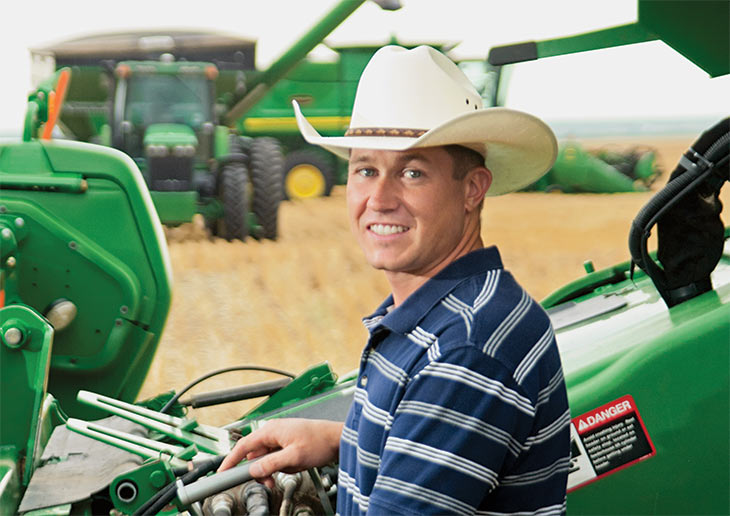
x=383, y=194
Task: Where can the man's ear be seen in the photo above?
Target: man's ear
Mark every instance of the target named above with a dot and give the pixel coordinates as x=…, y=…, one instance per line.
x=476, y=183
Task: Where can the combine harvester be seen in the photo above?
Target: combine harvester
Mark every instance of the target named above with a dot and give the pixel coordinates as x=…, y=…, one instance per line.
x=86, y=290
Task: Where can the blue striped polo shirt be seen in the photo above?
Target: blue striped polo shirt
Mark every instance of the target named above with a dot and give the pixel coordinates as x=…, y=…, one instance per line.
x=460, y=405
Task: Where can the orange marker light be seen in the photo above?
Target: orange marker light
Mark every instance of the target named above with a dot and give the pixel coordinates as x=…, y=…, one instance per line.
x=55, y=101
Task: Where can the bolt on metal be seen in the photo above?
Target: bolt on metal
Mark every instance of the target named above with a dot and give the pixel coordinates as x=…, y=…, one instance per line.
x=13, y=336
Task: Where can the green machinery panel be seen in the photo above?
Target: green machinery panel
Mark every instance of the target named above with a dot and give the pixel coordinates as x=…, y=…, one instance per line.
x=80, y=232
x=621, y=340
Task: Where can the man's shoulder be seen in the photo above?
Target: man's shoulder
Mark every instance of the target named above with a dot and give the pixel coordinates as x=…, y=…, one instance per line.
x=485, y=304
x=495, y=316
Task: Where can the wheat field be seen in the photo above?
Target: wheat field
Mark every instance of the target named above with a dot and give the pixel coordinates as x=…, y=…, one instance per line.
x=298, y=301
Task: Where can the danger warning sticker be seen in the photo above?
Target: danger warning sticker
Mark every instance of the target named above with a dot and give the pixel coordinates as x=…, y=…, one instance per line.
x=605, y=440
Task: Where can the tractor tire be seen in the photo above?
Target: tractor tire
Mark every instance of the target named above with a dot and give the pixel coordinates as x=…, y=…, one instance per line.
x=233, y=194
x=267, y=166
x=308, y=173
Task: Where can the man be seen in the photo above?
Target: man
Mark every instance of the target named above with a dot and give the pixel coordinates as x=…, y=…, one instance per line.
x=460, y=405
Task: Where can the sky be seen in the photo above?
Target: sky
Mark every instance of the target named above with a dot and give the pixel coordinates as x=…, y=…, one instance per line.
x=648, y=80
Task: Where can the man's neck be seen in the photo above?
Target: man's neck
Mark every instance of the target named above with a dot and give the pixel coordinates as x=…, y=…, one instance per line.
x=403, y=284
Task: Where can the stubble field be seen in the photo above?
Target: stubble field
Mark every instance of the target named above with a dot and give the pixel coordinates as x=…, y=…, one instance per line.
x=298, y=301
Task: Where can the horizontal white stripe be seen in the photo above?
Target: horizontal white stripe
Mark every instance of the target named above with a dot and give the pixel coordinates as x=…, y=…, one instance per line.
x=476, y=381
x=551, y=510
x=350, y=487
x=387, y=368
x=442, y=457
x=461, y=420
x=373, y=321
x=448, y=503
x=371, y=412
x=539, y=475
x=550, y=431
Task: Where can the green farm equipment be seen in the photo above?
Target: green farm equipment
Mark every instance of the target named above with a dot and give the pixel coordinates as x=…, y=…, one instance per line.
x=577, y=170
x=172, y=101
x=326, y=90
x=86, y=288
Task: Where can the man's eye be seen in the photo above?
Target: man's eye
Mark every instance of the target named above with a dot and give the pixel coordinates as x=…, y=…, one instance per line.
x=412, y=173
x=366, y=172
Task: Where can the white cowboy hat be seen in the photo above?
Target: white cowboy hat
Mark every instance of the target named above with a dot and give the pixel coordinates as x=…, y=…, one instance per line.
x=420, y=98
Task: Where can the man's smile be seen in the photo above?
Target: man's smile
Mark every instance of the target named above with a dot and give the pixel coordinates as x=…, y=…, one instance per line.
x=387, y=229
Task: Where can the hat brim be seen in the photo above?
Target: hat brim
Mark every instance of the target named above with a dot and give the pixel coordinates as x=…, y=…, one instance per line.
x=519, y=147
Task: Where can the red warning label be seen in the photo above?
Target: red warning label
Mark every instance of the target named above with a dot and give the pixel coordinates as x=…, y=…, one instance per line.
x=607, y=439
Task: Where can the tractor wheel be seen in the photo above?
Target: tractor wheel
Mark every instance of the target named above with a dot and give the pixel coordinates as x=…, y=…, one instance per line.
x=266, y=170
x=233, y=193
x=308, y=173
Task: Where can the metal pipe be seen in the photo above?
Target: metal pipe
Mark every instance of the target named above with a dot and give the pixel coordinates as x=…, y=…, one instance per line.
x=213, y=484
x=262, y=83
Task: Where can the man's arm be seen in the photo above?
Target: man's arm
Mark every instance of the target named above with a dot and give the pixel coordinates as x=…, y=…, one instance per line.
x=290, y=445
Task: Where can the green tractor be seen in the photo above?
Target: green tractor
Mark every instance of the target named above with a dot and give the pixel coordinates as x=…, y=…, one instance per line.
x=164, y=117
x=172, y=101
x=85, y=283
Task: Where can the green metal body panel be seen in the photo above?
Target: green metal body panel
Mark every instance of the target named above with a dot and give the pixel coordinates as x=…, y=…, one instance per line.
x=703, y=40
x=674, y=363
x=109, y=259
x=175, y=207
x=24, y=365
x=315, y=380
x=169, y=135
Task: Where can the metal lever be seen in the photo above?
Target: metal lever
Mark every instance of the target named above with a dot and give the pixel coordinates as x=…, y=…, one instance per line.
x=206, y=438
x=146, y=448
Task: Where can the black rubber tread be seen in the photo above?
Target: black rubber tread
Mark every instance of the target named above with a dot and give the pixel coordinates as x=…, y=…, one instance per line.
x=323, y=162
x=233, y=193
x=267, y=169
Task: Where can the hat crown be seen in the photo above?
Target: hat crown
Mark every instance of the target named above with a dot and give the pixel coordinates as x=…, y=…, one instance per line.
x=411, y=89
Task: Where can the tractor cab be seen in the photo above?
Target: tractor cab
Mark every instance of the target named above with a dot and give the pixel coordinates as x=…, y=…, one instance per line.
x=163, y=117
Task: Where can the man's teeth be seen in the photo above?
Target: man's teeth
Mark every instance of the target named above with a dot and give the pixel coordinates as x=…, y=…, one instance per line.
x=387, y=229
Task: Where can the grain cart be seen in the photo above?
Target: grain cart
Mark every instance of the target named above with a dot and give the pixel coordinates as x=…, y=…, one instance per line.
x=168, y=115
x=645, y=350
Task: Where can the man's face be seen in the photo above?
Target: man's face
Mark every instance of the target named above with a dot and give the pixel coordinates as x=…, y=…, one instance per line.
x=407, y=211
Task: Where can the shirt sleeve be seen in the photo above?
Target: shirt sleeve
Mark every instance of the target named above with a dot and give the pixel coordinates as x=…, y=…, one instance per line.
x=462, y=420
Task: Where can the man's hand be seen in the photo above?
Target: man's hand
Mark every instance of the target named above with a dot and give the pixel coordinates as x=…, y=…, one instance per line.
x=290, y=445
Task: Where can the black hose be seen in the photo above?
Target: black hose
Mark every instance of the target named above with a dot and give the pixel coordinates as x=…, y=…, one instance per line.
x=167, y=494
x=654, y=209
x=243, y=392
x=192, y=384
x=700, y=170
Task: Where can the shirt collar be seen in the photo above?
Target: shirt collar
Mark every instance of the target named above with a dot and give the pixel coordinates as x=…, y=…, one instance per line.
x=406, y=317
